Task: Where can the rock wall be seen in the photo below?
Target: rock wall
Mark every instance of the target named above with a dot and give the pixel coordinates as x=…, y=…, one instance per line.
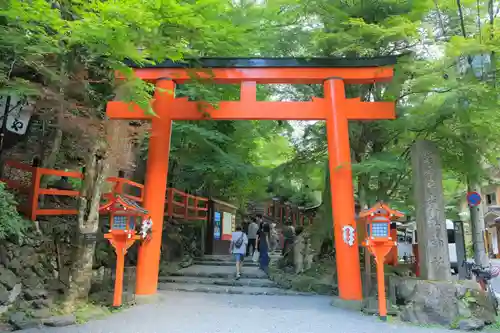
x=28, y=281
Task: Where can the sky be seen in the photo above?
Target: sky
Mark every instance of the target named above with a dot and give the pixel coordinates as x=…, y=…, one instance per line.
x=299, y=127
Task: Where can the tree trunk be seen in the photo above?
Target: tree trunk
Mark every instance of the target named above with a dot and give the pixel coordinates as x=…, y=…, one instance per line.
x=51, y=159
x=96, y=170
x=367, y=258
x=322, y=231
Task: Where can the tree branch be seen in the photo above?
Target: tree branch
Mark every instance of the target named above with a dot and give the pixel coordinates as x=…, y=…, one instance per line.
x=423, y=92
x=462, y=25
x=440, y=18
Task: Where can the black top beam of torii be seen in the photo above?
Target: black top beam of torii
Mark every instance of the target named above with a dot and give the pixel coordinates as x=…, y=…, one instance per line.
x=221, y=62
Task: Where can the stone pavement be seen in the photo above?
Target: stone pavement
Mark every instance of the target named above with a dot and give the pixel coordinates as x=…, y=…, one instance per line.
x=180, y=312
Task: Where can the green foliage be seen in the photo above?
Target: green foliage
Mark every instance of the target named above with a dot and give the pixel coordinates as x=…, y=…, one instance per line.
x=12, y=225
x=75, y=46
x=435, y=100
x=67, y=51
x=227, y=159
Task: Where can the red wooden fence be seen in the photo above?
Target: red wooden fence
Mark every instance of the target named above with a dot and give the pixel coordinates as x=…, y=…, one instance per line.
x=177, y=203
x=282, y=213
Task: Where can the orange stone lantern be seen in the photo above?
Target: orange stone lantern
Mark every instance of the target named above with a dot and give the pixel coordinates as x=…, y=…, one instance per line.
x=379, y=242
x=124, y=217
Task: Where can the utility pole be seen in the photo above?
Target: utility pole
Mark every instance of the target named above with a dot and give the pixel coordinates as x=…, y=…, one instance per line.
x=478, y=227
x=479, y=66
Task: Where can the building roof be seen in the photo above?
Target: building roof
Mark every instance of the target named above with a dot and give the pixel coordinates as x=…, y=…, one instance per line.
x=124, y=202
x=221, y=62
x=382, y=209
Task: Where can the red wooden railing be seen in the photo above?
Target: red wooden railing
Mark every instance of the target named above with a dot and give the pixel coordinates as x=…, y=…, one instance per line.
x=281, y=213
x=177, y=203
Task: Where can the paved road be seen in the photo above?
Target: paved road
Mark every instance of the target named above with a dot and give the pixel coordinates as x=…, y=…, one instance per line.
x=209, y=313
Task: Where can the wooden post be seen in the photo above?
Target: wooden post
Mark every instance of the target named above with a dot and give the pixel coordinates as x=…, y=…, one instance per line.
x=120, y=266
x=35, y=189
x=368, y=266
x=196, y=211
x=393, y=254
x=186, y=206
x=382, y=300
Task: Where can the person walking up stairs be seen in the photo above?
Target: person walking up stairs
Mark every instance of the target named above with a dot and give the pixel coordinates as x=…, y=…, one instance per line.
x=214, y=274
x=238, y=248
x=253, y=229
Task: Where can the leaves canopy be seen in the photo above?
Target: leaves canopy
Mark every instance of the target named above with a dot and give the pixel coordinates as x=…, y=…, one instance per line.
x=65, y=52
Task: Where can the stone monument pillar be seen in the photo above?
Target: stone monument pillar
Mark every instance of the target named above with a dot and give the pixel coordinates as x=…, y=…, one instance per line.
x=431, y=221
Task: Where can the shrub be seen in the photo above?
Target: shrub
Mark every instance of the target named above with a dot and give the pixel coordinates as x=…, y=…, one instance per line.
x=11, y=223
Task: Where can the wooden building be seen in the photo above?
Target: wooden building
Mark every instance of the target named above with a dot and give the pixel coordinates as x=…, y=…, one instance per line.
x=221, y=223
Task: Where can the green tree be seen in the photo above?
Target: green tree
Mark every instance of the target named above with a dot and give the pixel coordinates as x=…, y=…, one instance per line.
x=63, y=54
x=12, y=225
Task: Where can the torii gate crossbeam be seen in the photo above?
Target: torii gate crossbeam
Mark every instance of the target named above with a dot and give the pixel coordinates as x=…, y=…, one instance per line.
x=335, y=108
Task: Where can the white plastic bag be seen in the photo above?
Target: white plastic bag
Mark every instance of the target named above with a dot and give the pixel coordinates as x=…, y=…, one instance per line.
x=255, y=256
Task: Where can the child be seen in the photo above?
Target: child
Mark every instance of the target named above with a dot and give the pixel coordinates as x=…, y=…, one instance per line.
x=238, y=248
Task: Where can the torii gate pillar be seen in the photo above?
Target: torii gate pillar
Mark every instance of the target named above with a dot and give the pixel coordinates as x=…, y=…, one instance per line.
x=335, y=108
x=155, y=189
x=342, y=194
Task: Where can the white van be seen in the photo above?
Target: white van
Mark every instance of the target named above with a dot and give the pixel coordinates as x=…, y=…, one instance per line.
x=406, y=240
x=452, y=246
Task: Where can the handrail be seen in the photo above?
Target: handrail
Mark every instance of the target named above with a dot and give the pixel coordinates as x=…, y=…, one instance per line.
x=188, y=207
x=281, y=212
x=19, y=165
x=60, y=173
x=183, y=208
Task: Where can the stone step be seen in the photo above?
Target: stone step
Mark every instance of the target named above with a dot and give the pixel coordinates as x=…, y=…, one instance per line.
x=247, y=263
x=237, y=290
x=218, y=281
x=224, y=258
x=221, y=275
x=219, y=272
x=215, y=258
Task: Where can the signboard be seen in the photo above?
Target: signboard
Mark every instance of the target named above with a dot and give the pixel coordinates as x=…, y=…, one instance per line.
x=473, y=198
x=227, y=228
x=217, y=226
x=18, y=113
x=228, y=218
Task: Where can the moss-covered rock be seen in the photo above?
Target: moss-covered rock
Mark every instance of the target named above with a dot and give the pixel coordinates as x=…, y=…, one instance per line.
x=318, y=279
x=455, y=304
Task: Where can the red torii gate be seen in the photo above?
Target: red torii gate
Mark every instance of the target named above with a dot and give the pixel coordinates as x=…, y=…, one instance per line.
x=335, y=108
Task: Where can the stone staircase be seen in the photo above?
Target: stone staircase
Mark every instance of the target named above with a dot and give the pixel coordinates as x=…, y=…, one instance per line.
x=216, y=275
